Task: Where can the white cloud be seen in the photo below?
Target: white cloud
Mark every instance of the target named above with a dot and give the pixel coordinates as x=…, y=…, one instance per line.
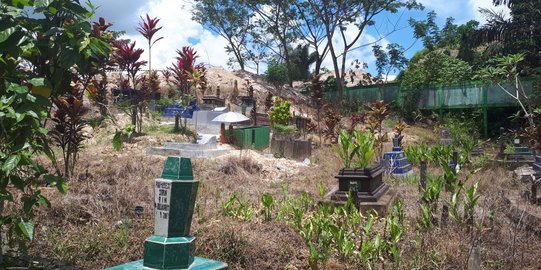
x=178, y=30
x=444, y=8
x=475, y=5
x=364, y=54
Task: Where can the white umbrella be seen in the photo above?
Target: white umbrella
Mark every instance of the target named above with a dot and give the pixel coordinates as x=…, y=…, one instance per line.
x=230, y=117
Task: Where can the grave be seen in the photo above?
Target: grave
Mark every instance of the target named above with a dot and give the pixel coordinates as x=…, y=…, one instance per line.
x=537, y=163
x=514, y=153
x=477, y=149
x=212, y=102
x=370, y=192
x=445, y=137
x=172, y=246
x=395, y=162
x=205, y=147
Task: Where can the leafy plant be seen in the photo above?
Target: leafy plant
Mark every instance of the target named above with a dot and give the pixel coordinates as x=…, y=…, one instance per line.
x=348, y=149
x=148, y=29
x=277, y=75
x=280, y=112
x=377, y=112
x=268, y=201
x=126, y=56
x=278, y=128
x=470, y=202
x=124, y=134
x=26, y=40
x=68, y=130
x=355, y=149
x=236, y=208
x=331, y=120
x=365, y=151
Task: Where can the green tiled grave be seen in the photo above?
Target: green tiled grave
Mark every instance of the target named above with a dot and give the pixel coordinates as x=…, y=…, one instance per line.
x=171, y=246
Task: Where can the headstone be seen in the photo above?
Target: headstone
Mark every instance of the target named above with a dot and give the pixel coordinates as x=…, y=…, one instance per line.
x=512, y=152
x=395, y=162
x=445, y=137
x=444, y=214
x=454, y=162
x=172, y=246
x=474, y=261
x=422, y=175
x=477, y=149
x=537, y=164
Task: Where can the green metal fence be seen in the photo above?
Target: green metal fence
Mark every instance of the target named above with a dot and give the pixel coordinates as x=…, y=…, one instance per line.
x=473, y=94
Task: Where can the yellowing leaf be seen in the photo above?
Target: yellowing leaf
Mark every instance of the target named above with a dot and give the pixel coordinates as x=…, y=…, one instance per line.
x=42, y=91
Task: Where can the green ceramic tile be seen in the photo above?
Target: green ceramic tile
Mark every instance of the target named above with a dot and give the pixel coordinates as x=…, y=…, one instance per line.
x=177, y=168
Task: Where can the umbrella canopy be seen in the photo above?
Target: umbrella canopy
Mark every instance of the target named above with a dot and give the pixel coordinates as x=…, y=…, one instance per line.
x=230, y=117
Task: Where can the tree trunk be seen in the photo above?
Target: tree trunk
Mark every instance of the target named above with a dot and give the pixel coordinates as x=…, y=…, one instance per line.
x=1, y=231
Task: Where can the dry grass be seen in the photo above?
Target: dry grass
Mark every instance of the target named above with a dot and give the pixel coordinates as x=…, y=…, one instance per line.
x=94, y=225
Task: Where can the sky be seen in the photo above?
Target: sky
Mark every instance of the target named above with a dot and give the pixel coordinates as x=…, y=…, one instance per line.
x=180, y=30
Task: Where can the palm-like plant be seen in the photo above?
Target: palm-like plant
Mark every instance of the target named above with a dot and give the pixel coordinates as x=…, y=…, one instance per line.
x=148, y=28
x=521, y=33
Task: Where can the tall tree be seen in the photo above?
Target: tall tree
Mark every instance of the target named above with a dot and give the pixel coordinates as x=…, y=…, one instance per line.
x=310, y=29
x=341, y=15
x=229, y=19
x=301, y=59
x=275, y=18
x=389, y=59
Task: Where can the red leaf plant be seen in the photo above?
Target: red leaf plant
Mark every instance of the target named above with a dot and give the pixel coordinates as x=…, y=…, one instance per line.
x=148, y=28
x=184, y=66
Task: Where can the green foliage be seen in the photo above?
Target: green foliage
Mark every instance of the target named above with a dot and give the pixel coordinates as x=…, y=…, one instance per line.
x=348, y=149
x=227, y=18
x=388, y=60
x=280, y=112
x=520, y=33
x=277, y=75
x=426, y=69
x=124, y=134
x=329, y=85
x=268, y=201
x=165, y=101
x=52, y=42
x=237, y=208
x=366, y=141
x=284, y=129
x=22, y=140
x=301, y=59
x=355, y=148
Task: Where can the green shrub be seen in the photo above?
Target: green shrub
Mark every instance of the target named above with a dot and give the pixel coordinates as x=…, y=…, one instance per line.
x=165, y=101
x=330, y=84
x=284, y=129
x=280, y=112
x=277, y=75
x=356, y=149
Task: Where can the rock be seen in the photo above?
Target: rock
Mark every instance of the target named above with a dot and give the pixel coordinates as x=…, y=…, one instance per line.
x=474, y=262
x=281, y=167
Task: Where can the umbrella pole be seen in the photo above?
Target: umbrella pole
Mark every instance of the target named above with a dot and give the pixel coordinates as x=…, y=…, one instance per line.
x=222, y=133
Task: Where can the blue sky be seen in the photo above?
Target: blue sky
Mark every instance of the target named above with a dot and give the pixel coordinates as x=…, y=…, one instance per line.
x=180, y=30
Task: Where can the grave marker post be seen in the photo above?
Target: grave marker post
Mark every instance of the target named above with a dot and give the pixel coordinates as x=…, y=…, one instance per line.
x=171, y=246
